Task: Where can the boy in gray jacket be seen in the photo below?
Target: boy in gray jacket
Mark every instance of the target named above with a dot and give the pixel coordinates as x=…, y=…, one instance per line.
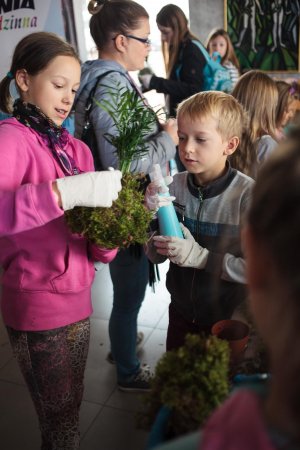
x=206, y=274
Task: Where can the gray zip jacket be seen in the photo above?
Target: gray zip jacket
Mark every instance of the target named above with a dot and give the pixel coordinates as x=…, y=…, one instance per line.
x=160, y=146
x=213, y=214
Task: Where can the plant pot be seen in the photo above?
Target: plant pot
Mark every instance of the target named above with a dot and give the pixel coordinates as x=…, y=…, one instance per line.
x=235, y=332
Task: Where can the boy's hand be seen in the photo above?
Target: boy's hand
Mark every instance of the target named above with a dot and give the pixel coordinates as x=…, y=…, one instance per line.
x=153, y=200
x=183, y=252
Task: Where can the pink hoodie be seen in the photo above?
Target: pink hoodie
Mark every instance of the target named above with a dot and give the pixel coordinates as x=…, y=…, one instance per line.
x=47, y=271
x=238, y=424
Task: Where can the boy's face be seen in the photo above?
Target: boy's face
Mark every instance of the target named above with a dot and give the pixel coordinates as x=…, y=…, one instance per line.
x=202, y=149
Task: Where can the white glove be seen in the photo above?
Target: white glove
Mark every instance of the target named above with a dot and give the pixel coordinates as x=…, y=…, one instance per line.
x=183, y=252
x=153, y=200
x=145, y=80
x=90, y=189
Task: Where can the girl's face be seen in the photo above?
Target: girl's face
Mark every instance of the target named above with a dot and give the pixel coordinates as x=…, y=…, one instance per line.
x=166, y=34
x=53, y=89
x=289, y=113
x=218, y=44
x=137, y=51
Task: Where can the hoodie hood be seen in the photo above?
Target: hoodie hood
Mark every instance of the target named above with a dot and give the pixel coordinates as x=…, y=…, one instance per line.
x=90, y=71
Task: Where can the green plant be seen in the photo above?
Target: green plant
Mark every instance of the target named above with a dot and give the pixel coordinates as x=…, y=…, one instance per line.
x=127, y=221
x=191, y=381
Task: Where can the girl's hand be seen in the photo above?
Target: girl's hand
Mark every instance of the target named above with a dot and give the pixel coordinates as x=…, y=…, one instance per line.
x=88, y=189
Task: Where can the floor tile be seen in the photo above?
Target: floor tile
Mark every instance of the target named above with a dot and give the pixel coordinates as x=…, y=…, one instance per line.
x=11, y=372
x=114, y=429
x=107, y=416
x=18, y=424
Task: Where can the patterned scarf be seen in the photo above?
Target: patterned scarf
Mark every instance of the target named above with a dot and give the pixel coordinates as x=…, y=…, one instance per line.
x=55, y=137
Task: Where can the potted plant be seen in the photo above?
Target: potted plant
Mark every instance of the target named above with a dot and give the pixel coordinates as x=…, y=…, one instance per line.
x=189, y=383
x=127, y=220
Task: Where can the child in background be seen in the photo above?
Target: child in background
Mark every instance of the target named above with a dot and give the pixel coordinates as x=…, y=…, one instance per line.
x=184, y=61
x=219, y=41
x=206, y=276
x=47, y=271
x=258, y=93
x=267, y=419
x=286, y=107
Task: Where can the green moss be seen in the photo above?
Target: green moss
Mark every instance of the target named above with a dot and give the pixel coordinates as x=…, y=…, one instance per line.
x=192, y=381
x=127, y=221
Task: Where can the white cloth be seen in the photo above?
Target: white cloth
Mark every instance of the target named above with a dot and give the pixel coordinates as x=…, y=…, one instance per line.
x=157, y=194
x=90, y=189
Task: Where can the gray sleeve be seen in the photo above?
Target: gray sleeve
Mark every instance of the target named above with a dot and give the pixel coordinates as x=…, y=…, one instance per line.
x=265, y=147
x=228, y=266
x=159, y=145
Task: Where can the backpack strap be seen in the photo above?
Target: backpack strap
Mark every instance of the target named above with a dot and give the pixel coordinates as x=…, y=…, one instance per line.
x=89, y=101
x=201, y=48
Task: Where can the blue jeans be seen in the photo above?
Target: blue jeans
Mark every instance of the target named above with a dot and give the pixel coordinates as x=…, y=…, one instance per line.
x=130, y=275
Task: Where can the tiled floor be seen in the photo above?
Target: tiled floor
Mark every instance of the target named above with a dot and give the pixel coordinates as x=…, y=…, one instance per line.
x=107, y=414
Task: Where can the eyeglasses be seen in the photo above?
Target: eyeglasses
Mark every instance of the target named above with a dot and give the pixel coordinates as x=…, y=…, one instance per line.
x=145, y=41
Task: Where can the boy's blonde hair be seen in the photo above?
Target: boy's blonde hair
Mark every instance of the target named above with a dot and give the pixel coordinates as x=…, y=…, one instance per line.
x=229, y=113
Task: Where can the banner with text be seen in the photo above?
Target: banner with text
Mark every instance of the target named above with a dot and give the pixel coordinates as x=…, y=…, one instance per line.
x=21, y=17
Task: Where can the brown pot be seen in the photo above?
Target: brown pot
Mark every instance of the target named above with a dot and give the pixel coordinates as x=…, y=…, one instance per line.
x=235, y=332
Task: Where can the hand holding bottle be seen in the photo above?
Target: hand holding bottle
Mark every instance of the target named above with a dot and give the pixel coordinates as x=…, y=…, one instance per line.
x=153, y=199
x=183, y=252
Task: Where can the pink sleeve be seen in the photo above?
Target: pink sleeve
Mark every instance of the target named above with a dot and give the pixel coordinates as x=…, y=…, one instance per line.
x=103, y=255
x=27, y=207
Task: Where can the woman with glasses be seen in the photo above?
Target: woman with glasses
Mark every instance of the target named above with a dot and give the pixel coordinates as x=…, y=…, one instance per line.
x=121, y=32
x=184, y=61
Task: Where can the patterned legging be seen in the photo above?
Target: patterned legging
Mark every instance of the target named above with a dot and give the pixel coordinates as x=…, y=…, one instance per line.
x=53, y=364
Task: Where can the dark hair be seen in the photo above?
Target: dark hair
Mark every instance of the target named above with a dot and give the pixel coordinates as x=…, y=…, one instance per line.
x=33, y=53
x=171, y=16
x=274, y=218
x=114, y=17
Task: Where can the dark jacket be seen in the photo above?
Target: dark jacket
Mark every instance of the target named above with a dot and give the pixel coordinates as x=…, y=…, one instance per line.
x=185, y=79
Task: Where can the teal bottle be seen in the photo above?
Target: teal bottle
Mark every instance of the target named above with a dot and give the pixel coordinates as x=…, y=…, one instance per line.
x=167, y=217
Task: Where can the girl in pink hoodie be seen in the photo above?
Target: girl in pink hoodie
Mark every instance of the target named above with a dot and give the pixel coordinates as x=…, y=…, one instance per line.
x=47, y=270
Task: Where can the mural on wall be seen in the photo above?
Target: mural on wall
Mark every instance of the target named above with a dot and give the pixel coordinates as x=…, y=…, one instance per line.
x=264, y=33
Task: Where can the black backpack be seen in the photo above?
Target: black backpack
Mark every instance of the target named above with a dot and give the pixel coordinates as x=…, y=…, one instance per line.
x=88, y=134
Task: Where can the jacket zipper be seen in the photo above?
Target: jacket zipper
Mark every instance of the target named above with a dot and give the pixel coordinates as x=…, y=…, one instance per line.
x=200, y=197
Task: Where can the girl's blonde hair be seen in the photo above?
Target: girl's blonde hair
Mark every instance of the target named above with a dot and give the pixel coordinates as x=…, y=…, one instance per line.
x=224, y=108
x=258, y=93
x=230, y=53
x=171, y=16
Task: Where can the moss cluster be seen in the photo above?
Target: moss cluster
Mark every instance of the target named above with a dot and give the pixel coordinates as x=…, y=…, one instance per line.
x=192, y=381
x=126, y=222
